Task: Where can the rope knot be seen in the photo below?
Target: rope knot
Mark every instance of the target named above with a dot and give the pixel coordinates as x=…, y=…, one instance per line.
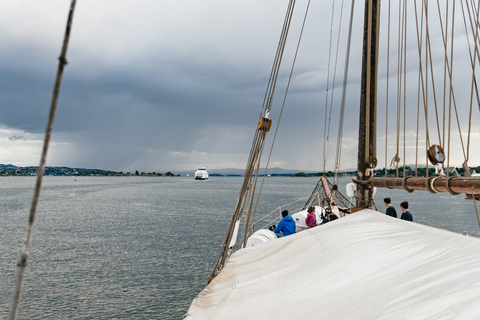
x=395, y=160
x=466, y=168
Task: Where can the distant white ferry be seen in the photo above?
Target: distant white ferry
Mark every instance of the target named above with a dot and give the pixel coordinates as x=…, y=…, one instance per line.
x=201, y=173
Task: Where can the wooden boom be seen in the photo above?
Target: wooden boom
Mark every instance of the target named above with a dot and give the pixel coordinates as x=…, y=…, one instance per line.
x=454, y=185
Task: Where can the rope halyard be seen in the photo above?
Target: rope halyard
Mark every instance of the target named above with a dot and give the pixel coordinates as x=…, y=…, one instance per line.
x=250, y=218
x=24, y=255
x=253, y=164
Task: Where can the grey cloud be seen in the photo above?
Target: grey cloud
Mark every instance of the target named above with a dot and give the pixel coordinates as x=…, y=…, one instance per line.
x=15, y=138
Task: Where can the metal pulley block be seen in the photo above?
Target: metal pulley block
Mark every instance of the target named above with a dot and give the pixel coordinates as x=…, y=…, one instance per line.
x=436, y=154
x=372, y=162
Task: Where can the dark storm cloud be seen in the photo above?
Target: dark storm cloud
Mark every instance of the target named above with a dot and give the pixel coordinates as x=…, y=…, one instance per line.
x=186, y=91
x=156, y=86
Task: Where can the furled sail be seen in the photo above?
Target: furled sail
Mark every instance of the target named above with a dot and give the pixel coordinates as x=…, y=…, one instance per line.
x=342, y=271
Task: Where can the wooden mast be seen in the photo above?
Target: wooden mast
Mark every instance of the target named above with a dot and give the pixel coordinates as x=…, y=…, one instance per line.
x=368, y=104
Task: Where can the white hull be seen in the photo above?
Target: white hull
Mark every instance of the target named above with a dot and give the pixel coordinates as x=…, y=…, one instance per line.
x=201, y=174
x=363, y=266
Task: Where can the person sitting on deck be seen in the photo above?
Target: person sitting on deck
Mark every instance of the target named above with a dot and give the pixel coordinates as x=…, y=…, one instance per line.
x=332, y=216
x=406, y=215
x=311, y=219
x=286, y=227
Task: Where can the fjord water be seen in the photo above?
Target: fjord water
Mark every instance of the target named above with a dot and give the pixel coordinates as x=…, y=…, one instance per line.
x=143, y=247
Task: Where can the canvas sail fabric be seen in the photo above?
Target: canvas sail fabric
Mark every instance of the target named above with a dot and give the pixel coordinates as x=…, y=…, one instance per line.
x=364, y=266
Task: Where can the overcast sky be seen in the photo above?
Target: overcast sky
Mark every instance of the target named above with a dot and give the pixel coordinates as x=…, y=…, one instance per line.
x=155, y=85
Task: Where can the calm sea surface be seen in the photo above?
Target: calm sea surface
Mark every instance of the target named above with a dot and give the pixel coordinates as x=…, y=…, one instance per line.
x=143, y=248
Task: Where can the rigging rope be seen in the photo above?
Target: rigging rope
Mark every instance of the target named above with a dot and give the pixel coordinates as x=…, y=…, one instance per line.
x=445, y=64
x=344, y=93
x=253, y=164
x=387, y=87
x=470, y=53
x=325, y=137
x=334, y=74
x=420, y=78
x=404, y=63
x=272, y=81
x=430, y=61
x=24, y=255
x=248, y=220
x=471, y=94
x=399, y=81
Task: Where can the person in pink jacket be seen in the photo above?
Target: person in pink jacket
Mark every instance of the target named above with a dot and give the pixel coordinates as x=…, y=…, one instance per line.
x=311, y=219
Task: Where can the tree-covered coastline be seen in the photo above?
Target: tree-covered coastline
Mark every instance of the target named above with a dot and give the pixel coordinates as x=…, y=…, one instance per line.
x=12, y=170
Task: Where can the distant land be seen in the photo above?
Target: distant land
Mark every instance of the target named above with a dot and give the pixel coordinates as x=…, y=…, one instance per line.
x=9, y=170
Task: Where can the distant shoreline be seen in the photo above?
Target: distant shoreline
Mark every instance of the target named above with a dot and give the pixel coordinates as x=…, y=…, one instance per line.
x=12, y=170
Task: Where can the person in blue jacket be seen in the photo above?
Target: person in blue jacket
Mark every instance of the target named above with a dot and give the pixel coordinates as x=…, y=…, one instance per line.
x=406, y=215
x=286, y=227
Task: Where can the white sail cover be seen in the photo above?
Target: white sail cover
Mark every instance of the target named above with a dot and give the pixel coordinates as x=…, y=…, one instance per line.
x=363, y=266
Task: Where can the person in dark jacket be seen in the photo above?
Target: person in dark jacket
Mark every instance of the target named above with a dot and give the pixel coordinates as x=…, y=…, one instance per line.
x=286, y=227
x=390, y=209
x=406, y=215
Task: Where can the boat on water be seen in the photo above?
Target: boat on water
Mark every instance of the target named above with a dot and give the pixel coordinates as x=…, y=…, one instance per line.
x=475, y=196
x=201, y=173
x=365, y=264
x=472, y=196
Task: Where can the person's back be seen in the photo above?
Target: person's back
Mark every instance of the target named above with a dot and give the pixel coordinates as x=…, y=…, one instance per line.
x=286, y=227
x=406, y=215
x=390, y=209
x=391, y=212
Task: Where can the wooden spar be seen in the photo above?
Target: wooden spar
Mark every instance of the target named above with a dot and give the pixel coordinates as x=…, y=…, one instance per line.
x=326, y=187
x=434, y=184
x=328, y=194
